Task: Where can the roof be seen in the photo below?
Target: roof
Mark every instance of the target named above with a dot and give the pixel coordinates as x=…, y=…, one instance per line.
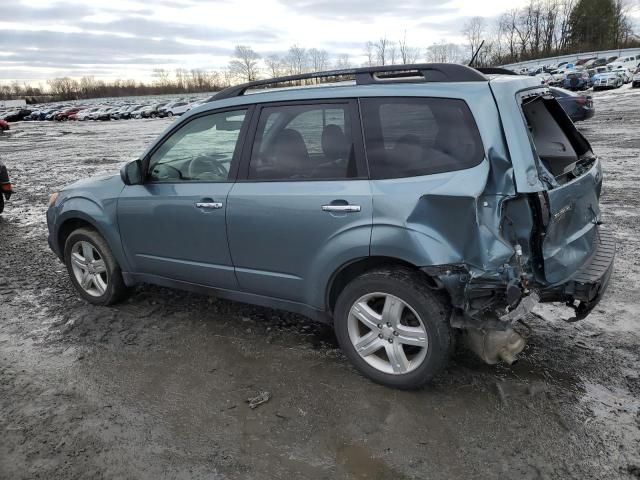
x=446, y=80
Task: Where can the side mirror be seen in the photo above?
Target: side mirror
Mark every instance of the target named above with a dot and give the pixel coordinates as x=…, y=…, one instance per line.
x=131, y=172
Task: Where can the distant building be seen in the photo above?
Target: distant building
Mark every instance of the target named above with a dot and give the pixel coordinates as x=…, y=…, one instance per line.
x=12, y=103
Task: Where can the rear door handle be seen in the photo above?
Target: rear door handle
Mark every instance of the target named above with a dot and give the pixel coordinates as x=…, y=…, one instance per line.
x=341, y=208
x=210, y=205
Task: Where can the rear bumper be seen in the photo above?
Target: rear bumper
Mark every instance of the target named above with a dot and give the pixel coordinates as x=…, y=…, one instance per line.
x=584, y=290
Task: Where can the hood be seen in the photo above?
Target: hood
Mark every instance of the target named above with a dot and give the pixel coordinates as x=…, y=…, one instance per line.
x=96, y=183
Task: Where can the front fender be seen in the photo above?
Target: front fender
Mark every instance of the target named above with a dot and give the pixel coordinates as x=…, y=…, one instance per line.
x=101, y=215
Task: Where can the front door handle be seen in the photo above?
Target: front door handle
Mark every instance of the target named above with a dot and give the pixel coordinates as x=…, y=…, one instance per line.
x=341, y=208
x=211, y=205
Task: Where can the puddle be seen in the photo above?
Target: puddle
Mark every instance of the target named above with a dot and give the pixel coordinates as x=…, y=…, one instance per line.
x=359, y=464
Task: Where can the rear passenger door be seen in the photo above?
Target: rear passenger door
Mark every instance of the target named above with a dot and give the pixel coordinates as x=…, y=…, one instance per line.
x=425, y=158
x=302, y=204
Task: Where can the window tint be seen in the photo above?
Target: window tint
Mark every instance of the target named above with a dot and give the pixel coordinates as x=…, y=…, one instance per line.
x=408, y=137
x=303, y=142
x=200, y=151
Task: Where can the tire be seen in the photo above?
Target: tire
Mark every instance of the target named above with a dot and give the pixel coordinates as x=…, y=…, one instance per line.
x=153, y=115
x=169, y=114
x=107, y=290
x=1, y=203
x=424, y=314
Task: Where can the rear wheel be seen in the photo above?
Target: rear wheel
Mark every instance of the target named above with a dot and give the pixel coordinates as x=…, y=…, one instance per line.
x=94, y=271
x=394, y=328
x=1, y=203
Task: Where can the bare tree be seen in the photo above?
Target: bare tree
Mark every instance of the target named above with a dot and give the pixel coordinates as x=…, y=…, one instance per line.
x=161, y=76
x=245, y=63
x=275, y=65
x=369, y=51
x=408, y=54
x=319, y=59
x=563, y=27
x=381, y=48
x=443, y=53
x=392, y=53
x=473, y=31
x=343, y=61
x=297, y=60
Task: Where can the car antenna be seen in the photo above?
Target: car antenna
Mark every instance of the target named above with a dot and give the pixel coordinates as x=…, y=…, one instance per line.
x=473, y=59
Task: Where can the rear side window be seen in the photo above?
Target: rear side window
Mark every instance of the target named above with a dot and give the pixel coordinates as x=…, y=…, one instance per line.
x=298, y=142
x=410, y=137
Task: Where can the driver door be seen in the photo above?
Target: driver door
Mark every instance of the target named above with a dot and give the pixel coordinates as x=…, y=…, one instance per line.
x=173, y=225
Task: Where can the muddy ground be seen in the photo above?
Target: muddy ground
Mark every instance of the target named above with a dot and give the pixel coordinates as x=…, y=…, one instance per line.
x=157, y=387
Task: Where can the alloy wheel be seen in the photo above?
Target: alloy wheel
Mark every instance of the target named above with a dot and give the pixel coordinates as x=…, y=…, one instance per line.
x=387, y=333
x=89, y=268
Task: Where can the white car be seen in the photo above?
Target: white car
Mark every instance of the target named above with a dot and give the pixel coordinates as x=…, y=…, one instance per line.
x=86, y=113
x=176, y=108
x=625, y=72
x=558, y=75
x=607, y=80
x=545, y=78
x=631, y=62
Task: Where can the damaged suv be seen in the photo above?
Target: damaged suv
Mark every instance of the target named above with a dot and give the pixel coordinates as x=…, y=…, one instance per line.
x=406, y=205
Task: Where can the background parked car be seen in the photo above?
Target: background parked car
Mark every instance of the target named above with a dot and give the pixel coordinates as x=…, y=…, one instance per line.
x=84, y=114
x=17, y=115
x=577, y=81
x=607, y=80
x=625, y=72
x=635, y=83
x=175, y=108
x=64, y=116
x=578, y=106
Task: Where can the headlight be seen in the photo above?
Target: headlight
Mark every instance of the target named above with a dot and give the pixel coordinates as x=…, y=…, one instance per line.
x=53, y=198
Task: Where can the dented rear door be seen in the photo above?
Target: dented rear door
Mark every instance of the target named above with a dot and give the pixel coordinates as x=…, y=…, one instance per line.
x=573, y=178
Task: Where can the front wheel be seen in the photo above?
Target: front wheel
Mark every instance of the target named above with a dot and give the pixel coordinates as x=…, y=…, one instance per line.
x=169, y=114
x=94, y=271
x=394, y=328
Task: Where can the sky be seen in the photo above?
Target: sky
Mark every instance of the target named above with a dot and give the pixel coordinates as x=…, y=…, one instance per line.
x=41, y=39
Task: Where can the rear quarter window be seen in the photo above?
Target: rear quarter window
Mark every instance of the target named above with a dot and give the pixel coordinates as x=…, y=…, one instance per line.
x=409, y=137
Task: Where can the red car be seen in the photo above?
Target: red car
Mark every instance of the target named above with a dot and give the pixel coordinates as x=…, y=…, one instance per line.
x=5, y=185
x=66, y=115
x=3, y=125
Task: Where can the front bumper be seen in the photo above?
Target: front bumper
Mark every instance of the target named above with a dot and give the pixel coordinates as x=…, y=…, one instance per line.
x=584, y=290
x=53, y=244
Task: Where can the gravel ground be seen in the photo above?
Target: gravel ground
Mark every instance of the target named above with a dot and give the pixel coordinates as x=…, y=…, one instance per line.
x=157, y=387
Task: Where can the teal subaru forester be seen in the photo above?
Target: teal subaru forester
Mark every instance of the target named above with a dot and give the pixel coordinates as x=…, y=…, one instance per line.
x=405, y=205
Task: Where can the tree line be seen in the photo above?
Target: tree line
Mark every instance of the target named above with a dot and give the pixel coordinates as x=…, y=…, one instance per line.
x=546, y=28
x=541, y=28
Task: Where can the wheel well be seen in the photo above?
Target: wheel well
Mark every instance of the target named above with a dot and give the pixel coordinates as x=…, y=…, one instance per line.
x=352, y=270
x=68, y=227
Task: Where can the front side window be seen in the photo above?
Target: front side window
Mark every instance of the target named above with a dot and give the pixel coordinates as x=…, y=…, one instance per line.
x=300, y=142
x=409, y=137
x=200, y=151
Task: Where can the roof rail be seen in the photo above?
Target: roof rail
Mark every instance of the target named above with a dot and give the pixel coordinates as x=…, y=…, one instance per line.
x=422, y=72
x=495, y=71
